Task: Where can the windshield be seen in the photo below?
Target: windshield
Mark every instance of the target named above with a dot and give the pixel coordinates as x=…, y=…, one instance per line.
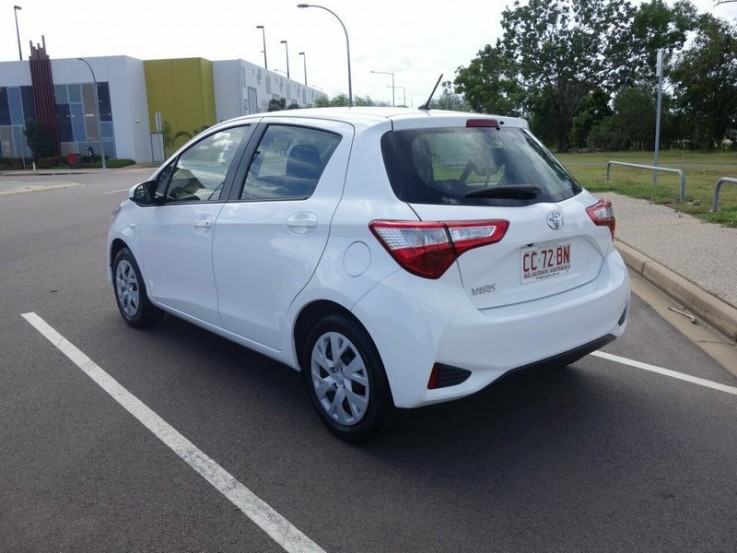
x=474, y=166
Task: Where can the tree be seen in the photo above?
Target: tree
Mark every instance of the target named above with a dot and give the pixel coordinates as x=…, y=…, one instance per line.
x=449, y=100
x=489, y=84
x=38, y=139
x=567, y=49
x=277, y=104
x=592, y=110
x=656, y=26
x=341, y=100
x=705, y=78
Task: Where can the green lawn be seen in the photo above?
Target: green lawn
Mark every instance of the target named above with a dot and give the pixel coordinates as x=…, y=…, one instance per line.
x=702, y=171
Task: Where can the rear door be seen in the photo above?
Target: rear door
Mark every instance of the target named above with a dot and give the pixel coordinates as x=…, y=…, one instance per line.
x=485, y=170
x=548, y=249
x=269, y=239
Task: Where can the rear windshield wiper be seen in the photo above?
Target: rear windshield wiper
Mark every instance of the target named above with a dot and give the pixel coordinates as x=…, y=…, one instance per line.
x=506, y=192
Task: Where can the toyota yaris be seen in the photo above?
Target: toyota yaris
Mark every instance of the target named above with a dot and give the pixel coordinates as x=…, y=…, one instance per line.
x=395, y=257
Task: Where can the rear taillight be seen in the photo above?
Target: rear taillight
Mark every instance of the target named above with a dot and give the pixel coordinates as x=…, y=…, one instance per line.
x=427, y=249
x=602, y=214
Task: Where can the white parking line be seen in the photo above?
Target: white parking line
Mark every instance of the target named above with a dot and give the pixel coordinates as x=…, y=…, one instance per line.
x=271, y=522
x=116, y=191
x=667, y=372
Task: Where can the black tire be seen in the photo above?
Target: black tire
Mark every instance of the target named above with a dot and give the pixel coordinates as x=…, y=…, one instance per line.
x=130, y=292
x=350, y=391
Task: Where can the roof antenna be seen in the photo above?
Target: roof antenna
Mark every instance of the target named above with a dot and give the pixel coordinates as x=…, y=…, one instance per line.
x=426, y=105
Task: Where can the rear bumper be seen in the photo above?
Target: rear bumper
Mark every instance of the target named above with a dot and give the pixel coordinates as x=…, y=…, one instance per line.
x=560, y=360
x=416, y=323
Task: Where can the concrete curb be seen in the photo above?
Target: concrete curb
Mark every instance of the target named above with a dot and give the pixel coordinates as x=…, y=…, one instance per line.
x=711, y=309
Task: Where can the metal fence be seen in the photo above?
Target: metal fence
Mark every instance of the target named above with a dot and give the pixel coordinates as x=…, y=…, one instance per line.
x=717, y=188
x=651, y=168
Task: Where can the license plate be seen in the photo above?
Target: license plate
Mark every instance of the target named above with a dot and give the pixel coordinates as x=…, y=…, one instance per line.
x=544, y=262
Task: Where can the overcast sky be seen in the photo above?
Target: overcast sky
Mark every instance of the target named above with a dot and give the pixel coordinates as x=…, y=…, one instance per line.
x=416, y=40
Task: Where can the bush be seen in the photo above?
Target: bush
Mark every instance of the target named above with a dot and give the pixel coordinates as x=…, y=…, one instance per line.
x=116, y=163
x=49, y=162
x=13, y=163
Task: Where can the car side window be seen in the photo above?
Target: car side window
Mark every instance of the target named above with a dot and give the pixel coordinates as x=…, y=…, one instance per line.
x=200, y=172
x=288, y=163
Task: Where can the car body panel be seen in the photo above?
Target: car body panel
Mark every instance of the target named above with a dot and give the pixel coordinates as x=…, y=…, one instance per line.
x=247, y=270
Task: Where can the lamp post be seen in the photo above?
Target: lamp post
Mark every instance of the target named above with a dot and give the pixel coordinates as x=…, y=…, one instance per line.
x=286, y=48
x=263, y=36
x=347, y=45
x=659, y=74
x=304, y=60
x=97, y=112
x=17, y=30
x=392, y=74
x=404, y=95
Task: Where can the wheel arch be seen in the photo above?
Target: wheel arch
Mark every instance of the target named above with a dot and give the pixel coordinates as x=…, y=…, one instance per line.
x=311, y=314
x=117, y=245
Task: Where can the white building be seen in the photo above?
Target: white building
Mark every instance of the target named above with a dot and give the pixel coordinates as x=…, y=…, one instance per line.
x=61, y=93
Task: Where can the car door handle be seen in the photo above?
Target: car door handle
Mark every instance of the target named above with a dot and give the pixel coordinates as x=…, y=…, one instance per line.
x=302, y=223
x=203, y=223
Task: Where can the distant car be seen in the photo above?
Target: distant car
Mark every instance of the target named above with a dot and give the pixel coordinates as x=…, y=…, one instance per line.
x=396, y=257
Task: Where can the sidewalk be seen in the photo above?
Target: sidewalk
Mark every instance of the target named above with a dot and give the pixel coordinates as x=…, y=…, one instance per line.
x=693, y=262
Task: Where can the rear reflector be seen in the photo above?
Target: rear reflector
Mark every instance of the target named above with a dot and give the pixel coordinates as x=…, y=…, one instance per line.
x=443, y=376
x=427, y=249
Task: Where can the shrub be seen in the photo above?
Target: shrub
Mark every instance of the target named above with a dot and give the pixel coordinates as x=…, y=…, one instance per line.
x=47, y=162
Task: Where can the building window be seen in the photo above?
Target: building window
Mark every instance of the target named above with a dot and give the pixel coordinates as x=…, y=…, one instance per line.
x=4, y=107
x=60, y=93
x=103, y=97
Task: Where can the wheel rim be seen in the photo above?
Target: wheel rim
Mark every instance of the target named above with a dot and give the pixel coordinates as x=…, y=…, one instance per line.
x=340, y=378
x=126, y=286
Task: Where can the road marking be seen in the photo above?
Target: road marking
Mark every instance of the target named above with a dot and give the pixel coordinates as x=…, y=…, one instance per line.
x=117, y=191
x=271, y=522
x=38, y=188
x=666, y=372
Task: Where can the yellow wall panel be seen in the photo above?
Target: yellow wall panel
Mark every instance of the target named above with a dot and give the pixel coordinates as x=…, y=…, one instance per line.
x=182, y=91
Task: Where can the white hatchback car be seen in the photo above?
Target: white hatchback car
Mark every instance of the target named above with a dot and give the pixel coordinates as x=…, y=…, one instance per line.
x=396, y=257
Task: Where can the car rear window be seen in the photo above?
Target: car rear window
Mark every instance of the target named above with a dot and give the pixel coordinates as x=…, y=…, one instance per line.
x=474, y=166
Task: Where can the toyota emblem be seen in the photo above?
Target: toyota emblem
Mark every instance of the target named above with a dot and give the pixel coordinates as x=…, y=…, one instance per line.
x=555, y=220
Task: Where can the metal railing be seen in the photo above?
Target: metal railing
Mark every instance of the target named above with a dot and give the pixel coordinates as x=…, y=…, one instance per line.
x=717, y=187
x=651, y=168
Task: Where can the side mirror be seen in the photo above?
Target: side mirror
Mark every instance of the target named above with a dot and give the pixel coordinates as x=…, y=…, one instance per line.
x=144, y=193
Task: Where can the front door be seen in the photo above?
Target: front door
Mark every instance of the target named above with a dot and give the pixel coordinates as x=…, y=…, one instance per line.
x=176, y=235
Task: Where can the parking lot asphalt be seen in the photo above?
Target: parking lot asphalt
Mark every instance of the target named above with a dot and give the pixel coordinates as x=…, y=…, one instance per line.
x=693, y=262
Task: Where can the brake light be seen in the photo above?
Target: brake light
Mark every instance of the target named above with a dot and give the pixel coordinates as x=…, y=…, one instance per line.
x=602, y=214
x=493, y=123
x=427, y=249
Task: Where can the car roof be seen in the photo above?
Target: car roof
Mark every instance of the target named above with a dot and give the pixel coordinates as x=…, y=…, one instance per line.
x=371, y=116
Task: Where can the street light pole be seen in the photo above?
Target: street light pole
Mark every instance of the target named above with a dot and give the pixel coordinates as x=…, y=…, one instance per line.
x=659, y=108
x=347, y=45
x=17, y=31
x=404, y=95
x=286, y=48
x=97, y=112
x=304, y=60
x=394, y=103
x=263, y=36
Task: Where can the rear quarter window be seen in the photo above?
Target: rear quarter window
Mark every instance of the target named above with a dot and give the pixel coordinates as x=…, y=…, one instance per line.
x=474, y=166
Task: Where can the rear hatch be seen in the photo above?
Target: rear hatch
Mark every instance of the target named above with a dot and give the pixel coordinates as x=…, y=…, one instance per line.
x=532, y=260
x=485, y=171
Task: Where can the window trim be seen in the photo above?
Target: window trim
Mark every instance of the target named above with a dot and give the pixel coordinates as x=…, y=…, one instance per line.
x=229, y=176
x=249, y=153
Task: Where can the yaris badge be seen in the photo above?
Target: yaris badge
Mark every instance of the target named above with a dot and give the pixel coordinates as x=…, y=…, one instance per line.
x=555, y=220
